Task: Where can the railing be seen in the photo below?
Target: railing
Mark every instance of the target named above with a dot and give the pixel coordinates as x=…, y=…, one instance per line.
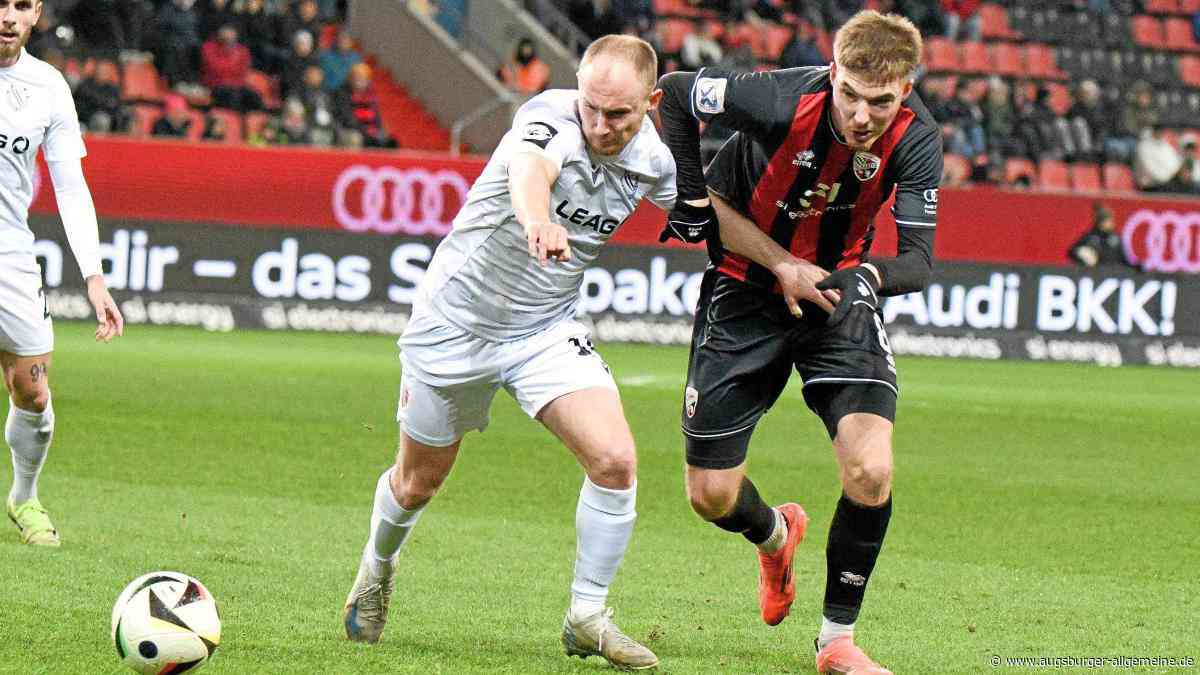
x=456, y=129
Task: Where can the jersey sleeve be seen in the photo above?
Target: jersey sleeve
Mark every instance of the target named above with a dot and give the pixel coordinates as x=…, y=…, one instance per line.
x=664, y=193
x=539, y=128
x=63, y=140
x=918, y=173
x=748, y=102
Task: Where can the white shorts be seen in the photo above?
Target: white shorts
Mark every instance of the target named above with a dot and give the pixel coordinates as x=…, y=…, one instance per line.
x=450, y=376
x=25, y=327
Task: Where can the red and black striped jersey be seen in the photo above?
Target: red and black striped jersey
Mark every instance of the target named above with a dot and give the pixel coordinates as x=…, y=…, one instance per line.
x=787, y=169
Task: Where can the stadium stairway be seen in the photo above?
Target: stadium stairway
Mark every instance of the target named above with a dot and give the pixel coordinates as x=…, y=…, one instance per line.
x=404, y=117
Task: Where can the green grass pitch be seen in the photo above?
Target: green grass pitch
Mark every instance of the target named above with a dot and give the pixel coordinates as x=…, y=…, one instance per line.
x=1041, y=510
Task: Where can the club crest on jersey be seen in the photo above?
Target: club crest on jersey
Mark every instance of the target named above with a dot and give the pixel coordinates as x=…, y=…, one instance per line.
x=538, y=133
x=804, y=159
x=866, y=165
x=18, y=96
x=632, y=182
x=710, y=95
x=690, y=398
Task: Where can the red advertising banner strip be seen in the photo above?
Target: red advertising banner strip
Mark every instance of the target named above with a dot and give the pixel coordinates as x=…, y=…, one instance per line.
x=417, y=194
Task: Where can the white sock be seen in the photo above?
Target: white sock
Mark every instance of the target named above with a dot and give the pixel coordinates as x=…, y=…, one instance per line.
x=831, y=630
x=778, y=535
x=28, y=435
x=603, y=524
x=390, y=524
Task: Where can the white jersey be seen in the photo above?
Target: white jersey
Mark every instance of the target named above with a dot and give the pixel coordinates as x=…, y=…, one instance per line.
x=36, y=110
x=482, y=278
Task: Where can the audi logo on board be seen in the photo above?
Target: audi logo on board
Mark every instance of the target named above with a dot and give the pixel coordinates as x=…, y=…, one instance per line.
x=1163, y=241
x=388, y=200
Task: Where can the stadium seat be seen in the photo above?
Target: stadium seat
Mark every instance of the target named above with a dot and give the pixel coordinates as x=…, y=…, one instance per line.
x=140, y=82
x=1016, y=167
x=1006, y=59
x=1060, y=97
x=672, y=32
x=197, y=129
x=266, y=87
x=975, y=58
x=777, y=37
x=1161, y=6
x=1039, y=62
x=1085, y=177
x=1147, y=32
x=1053, y=175
x=1189, y=6
x=825, y=44
x=994, y=22
x=674, y=7
x=254, y=124
x=1118, y=178
x=144, y=117
x=233, y=124
x=955, y=169
x=1178, y=34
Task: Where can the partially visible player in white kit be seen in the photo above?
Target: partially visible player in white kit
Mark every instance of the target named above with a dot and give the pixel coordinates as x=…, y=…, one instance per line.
x=36, y=109
x=497, y=309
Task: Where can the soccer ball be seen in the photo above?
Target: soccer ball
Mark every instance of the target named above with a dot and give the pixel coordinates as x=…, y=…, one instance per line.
x=165, y=622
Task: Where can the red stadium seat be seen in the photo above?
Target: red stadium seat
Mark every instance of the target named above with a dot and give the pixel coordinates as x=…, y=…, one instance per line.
x=1189, y=6
x=1148, y=32
x=1039, y=62
x=197, y=129
x=674, y=7
x=266, y=87
x=1006, y=59
x=994, y=22
x=255, y=122
x=1178, y=34
x=1161, y=6
x=1085, y=177
x=1118, y=178
x=140, y=82
x=233, y=124
x=671, y=33
x=1016, y=167
x=975, y=58
x=144, y=117
x=1189, y=70
x=777, y=38
x=956, y=169
x=825, y=44
x=1060, y=97
x=1053, y=175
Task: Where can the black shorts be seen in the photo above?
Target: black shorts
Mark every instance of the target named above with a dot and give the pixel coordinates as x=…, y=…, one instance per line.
x=745, y=343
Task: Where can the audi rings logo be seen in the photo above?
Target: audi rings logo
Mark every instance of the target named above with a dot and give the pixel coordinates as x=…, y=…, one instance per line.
x=1163, y=241
x=388, y=200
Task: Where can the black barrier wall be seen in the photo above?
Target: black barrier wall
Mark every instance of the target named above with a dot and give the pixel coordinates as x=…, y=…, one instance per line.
x=223, y=278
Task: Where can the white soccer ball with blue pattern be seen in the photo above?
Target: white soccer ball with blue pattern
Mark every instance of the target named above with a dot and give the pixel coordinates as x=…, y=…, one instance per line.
x=164, y=623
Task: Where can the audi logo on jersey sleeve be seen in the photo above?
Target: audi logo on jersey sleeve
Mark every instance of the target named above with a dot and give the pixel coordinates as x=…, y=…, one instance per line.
x=1163, y=241
x=388, y=200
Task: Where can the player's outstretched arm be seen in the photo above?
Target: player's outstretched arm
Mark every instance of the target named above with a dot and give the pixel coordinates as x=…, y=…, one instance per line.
x=530, y=178
x=797, y=278
x=78, y=214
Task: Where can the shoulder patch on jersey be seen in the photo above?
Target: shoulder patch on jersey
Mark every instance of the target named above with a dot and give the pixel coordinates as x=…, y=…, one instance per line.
x=866, y=165
x=710, y=95
x=538, y=133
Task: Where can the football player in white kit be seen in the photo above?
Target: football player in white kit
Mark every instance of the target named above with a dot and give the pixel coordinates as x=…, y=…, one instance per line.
x=497, y=309
x=36, y=109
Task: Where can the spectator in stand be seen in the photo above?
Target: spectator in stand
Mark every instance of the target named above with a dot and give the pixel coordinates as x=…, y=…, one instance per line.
x=1100, y=246
x=263, y=31
x=217, y=13
x=802, y=49
x=318, y=108
x=177, y=45
x=291, y=127
x=226, y=63
x=299, y=60
x=337, y=61
x=962, y=18
x=215, y=129
x=1000, y=124
x=525, y=72
x=1138, y=119
x=1089, y=121
x=1189, y=173
x=49, y=34
x=1156, y=163
x=700, y=48
x=98, y=100
x=965, y=113
x=1044, y=133
x=176, y=120
x=304, y=16
x=358, y=109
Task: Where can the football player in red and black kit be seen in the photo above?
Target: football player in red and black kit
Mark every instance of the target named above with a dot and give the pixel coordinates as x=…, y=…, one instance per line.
x=793, y=196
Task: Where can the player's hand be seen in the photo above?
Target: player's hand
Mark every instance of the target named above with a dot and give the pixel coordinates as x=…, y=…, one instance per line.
x=548, y=241
x=798, y=281
x=109, y=322
x=856, y=285
x=689, y=223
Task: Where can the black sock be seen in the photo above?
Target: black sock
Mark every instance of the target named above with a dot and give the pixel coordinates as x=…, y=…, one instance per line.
x=855, y=538
x=750, y=515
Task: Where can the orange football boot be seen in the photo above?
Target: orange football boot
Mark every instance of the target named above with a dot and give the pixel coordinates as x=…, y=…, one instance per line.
x=776, y=586
x=841, y=656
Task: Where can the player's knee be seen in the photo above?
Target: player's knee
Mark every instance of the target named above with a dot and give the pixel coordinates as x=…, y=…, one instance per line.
x=416, y=489
x=868, y=481
x=32, y=398
x=710, y=500
x=615, y=469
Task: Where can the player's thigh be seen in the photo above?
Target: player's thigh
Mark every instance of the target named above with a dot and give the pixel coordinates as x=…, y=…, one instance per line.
x=27, y=379
x=591, y=423
x=849, y=368
x=439, y=416
x=26, y=331
x=739, y=364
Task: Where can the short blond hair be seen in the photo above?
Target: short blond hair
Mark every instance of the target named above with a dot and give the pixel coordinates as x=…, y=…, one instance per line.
x=878, y=48
x=633, y=49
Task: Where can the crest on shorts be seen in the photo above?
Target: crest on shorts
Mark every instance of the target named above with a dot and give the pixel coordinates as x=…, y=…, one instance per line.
x=403, y=397
x=690, y=398
x=866, y=165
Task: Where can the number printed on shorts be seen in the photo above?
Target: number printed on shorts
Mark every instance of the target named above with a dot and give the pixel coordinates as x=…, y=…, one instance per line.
x=884, y=342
